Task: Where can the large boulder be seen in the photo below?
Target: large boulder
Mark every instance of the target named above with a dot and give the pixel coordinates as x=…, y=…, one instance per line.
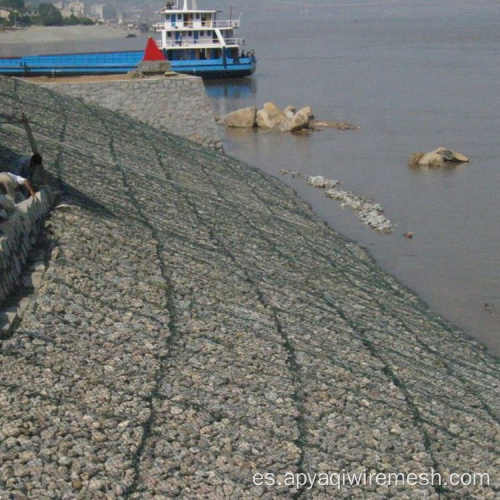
x=300, y=121
x=431, y=159
x=270, y=117
x=241, y=118
x=437, y=158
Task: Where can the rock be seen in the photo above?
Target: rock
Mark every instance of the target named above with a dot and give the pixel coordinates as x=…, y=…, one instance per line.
x=432, y=160
x=300, y=121
x=289, y=112
x=437, y=158
x=241, y=118
x=414, y=159
x=307, y=111
x=324, y=124
x=370, y=213
x=452, y=156
x=270, y=117
x=292, y=173
x=321, y=182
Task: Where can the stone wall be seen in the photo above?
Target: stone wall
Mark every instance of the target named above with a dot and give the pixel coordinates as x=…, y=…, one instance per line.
x=18, y=235
x=177, y=104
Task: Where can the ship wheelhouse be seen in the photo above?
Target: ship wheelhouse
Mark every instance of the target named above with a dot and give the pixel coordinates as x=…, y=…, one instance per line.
x=189, y=33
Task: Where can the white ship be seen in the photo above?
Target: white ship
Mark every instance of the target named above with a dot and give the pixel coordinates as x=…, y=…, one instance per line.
x=198, y=43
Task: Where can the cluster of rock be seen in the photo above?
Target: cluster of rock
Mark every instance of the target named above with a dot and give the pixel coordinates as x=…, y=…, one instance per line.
x=437, y=158
x=371, y=214
x=201, y=325
x=270, y=117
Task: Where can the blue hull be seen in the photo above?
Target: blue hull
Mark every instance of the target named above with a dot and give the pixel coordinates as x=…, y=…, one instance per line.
x=103, y=63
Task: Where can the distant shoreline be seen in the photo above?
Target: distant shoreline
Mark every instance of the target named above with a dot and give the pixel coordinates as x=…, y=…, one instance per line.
x=48, y=34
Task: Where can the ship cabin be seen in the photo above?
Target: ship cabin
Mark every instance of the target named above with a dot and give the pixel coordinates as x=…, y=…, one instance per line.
x=189, y=33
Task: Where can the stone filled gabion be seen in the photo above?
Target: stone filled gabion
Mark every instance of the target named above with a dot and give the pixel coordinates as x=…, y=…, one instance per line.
x=200, y=325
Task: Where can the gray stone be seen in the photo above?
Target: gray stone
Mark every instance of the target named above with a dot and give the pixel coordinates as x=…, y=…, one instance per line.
x=154, y=67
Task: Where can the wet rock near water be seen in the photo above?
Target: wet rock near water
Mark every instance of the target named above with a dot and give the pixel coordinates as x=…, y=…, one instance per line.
x=437, y=158
x=242, y=118
x=370, y=213
x=325, y=124
x=199, y=324
x=271, y=117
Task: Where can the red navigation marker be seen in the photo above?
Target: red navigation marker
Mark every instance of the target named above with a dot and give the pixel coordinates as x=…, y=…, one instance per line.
x=152, y=52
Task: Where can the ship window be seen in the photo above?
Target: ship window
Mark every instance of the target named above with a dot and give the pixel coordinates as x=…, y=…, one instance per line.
x=180, y=16
x=169, y=34
x=202, y=33
x=168, y=17
x=197, y=16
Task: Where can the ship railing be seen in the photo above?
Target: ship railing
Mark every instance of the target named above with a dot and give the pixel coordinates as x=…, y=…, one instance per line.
x=205, y=43
x=235, y=23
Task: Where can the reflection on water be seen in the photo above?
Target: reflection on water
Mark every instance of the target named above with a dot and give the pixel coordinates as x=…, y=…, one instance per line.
x=243, y=88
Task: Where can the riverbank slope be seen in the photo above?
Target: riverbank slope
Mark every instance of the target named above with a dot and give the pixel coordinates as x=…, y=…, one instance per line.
x=199, y=324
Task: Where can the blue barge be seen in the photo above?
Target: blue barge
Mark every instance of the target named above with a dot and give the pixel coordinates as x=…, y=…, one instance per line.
x=102, y=63
x=192, y=39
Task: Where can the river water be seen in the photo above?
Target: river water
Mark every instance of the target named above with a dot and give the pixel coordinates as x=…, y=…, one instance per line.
x=414, y=75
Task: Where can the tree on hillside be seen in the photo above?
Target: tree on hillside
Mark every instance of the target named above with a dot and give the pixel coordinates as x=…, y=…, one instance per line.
x=49, y=15
x=13, y=4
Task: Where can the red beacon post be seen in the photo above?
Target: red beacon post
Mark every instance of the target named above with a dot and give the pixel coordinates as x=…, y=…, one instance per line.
x=152, y=52
x=154, y=61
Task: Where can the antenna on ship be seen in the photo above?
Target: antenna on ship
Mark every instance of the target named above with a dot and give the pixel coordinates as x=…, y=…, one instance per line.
x=185, y=5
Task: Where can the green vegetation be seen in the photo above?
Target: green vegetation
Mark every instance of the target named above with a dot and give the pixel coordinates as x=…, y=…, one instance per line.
x=48, y=15
x=13, y=4
x=73, y=20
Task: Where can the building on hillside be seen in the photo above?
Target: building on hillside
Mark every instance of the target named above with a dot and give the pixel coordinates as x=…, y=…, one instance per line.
x=97, y=12
x=69, y=9
x=5, y=12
